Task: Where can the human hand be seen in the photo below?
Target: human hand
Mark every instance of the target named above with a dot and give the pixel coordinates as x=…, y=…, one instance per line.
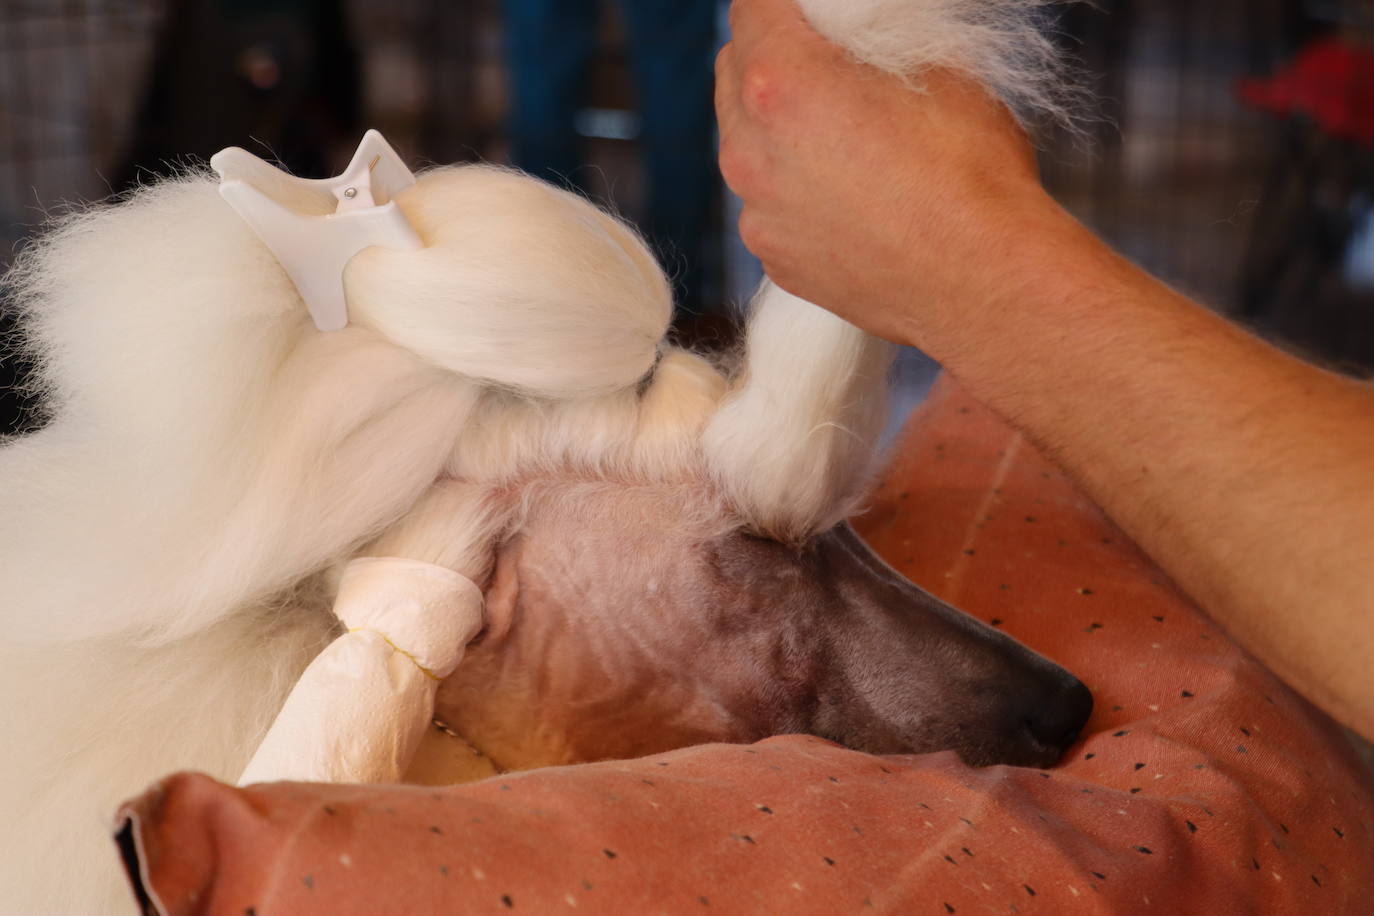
x=896, y=207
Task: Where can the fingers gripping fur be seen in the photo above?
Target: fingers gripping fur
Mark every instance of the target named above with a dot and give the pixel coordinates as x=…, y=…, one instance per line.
x=794, y=442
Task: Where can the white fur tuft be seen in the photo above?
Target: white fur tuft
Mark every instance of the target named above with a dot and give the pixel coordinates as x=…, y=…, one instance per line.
x=793, y=445
x=999, y=43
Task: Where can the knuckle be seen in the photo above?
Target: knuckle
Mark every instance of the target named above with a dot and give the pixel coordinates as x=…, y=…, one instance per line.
x=761, y=90
x=745, y=172
x=733, y=167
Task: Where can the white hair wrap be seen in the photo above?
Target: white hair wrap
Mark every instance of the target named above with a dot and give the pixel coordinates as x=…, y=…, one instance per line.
x=358, y=712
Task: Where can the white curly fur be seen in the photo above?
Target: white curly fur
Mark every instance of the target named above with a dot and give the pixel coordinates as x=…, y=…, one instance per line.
x=167, y=541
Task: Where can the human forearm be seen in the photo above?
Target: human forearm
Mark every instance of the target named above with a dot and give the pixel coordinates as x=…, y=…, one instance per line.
x=919, y=217
x=1247, y=474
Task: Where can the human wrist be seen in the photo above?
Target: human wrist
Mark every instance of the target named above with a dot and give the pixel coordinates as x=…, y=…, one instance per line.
x=1023, y=255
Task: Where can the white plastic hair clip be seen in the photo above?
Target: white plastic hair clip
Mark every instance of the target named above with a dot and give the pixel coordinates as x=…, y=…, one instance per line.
x=315, y=226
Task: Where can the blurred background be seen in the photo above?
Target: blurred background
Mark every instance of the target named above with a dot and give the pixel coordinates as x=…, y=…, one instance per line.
x=1232, y=151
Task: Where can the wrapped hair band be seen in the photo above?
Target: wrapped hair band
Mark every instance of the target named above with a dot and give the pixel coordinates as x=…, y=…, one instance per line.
x=359, y=710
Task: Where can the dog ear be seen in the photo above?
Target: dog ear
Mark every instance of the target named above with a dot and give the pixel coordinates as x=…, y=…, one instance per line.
x=793, y=443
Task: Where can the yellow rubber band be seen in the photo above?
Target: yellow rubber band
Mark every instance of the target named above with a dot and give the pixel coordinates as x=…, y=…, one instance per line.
x=413, y=660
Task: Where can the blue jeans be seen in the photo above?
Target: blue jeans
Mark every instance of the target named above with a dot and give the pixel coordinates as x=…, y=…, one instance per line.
x=550, y=45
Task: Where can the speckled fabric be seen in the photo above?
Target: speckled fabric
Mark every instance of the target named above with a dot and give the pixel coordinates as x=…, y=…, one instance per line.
x=1203, y=785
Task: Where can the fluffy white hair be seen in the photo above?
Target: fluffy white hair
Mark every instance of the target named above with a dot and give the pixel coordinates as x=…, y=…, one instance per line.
x=999, y=43
x=793, y=441
x=167, y=541
x=212, y=448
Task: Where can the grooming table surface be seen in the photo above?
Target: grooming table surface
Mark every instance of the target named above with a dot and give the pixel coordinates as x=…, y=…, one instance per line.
x=1202, y=784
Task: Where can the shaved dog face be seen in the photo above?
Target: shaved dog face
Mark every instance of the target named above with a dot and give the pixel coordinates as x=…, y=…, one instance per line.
x=623, y=621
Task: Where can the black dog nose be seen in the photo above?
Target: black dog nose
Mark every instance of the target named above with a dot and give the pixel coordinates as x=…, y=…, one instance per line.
x=1057, y=719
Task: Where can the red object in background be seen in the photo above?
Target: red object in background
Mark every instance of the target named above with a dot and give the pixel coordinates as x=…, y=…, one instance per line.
x=1330, y=81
